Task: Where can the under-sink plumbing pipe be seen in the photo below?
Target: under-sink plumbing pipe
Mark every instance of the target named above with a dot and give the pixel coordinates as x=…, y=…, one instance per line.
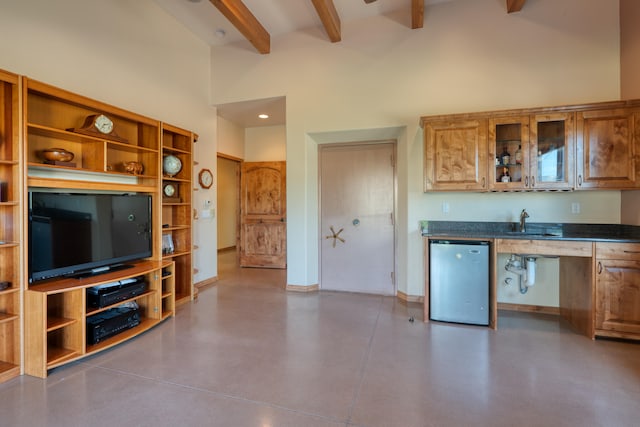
x=526, y=271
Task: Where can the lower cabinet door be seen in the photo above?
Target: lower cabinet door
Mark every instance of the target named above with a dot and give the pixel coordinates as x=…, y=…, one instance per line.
x=618, y=298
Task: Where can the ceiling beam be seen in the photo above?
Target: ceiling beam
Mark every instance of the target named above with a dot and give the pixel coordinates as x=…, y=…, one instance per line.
x=329, y=16
x=417, y=14
x=242, y=18
x=515, y=5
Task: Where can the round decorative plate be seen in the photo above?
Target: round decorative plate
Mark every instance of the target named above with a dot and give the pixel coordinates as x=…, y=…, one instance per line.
x=171, y=165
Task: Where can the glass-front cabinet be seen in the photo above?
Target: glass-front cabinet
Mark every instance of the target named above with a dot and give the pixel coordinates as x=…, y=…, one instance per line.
x=532, y=152
x=552, y=147
x=509, y=153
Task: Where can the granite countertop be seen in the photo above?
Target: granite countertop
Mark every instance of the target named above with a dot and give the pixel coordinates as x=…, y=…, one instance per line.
x=534, y=231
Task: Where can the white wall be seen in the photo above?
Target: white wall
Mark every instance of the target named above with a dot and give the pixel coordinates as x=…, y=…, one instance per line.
x=265, y=144
x=127, y=53
x=470, y=56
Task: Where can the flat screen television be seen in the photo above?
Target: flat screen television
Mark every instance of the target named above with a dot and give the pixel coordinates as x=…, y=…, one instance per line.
x=75, y=235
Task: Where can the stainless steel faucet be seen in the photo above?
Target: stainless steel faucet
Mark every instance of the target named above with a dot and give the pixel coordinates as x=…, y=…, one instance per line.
x=523, y=216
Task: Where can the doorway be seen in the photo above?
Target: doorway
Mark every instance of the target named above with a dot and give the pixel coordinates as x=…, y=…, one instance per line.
x=228, y=204
x=357, y=217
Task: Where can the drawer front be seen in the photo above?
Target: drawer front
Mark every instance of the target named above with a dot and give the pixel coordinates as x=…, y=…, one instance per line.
x=622, y=251
x=545, y=247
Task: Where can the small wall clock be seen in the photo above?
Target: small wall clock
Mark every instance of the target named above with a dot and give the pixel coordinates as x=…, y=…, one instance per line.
x=205, y=178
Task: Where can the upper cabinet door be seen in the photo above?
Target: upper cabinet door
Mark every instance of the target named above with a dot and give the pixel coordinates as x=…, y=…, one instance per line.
x=455, y=155
x=509, y=153
x=552, y=148
x=606, y=148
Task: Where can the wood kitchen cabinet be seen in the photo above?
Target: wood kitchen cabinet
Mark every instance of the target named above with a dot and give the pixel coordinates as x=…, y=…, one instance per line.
x=617, y=311
x=607, y=148
x=455, y=155
x=509, y=149
x=571, y=147
x=552, y=151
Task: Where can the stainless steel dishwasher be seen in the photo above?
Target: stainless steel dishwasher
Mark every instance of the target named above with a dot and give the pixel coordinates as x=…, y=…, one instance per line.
x=459, y=281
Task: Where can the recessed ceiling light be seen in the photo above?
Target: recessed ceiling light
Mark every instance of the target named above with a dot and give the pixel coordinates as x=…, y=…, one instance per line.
x=263, y=116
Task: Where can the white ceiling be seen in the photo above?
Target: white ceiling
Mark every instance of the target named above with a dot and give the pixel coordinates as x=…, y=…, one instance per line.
x=278, y=17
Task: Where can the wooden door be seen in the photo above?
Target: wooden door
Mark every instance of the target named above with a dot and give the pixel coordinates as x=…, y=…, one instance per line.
x=456, y=155
x=618, y=297
x=263, y=214
x=357, y=193
x=607, y=149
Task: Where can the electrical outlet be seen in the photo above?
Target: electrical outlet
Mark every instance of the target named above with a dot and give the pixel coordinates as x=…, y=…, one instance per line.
x=445, y=207
x=575, y=208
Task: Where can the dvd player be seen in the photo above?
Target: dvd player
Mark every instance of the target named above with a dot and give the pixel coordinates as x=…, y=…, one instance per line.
x=111, y=322
x=112, y=293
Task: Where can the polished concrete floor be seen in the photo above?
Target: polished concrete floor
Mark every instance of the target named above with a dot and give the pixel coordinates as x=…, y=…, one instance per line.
x=248, y=353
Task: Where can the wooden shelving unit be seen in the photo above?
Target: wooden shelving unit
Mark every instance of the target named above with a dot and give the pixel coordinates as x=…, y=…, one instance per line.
x=57, y=313
x=10, y=226
x=50, y=117
x=177, y=209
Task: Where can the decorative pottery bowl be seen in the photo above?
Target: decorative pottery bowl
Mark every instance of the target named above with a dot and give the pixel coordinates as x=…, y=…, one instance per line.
x=57, y=155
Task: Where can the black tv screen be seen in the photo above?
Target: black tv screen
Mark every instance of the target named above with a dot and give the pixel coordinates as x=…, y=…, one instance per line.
x=74, y=234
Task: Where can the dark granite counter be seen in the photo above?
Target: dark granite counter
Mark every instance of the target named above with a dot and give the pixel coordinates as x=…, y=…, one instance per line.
x=534, y=231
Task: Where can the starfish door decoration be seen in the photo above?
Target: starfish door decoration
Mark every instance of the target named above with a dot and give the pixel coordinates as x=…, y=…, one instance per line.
x=335, y=236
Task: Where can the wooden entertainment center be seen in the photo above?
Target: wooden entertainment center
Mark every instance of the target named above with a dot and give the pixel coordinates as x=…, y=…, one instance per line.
x=114, y=151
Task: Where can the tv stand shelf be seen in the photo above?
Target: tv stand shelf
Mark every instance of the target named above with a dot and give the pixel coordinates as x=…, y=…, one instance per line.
x=56, y=314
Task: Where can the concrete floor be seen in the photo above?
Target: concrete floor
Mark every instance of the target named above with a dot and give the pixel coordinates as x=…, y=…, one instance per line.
x=248, y=353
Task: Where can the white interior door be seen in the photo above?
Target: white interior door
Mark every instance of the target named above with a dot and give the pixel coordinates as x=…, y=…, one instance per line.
x=357, y=192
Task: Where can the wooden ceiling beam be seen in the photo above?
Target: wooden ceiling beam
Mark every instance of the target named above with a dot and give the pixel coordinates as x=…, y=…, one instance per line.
x=515, y=5
x=329, y=16
x=242, y=18
x=417, y=14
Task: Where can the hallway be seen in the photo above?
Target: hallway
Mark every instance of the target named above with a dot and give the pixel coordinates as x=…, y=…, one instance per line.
x=248, y=353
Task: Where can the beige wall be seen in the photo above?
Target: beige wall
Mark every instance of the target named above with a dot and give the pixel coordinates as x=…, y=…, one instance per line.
x=265, y=144
x=227, y=203
x=470, y=56
x=230, y=138
x=630, y=86
x=630, y=49
x=127, y=53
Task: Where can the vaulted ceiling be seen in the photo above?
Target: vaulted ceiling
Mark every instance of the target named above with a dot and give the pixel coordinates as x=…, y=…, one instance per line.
x=220, y=22
x=225, y=21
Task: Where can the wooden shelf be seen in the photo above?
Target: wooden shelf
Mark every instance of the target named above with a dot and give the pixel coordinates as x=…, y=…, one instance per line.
x=8, y=317
x=8, y=371
x=92, y=311
x=175, y=150
x=176, y=227
x=57, y=356
x=54, y=323
x=144, y=325
x=176, y=254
